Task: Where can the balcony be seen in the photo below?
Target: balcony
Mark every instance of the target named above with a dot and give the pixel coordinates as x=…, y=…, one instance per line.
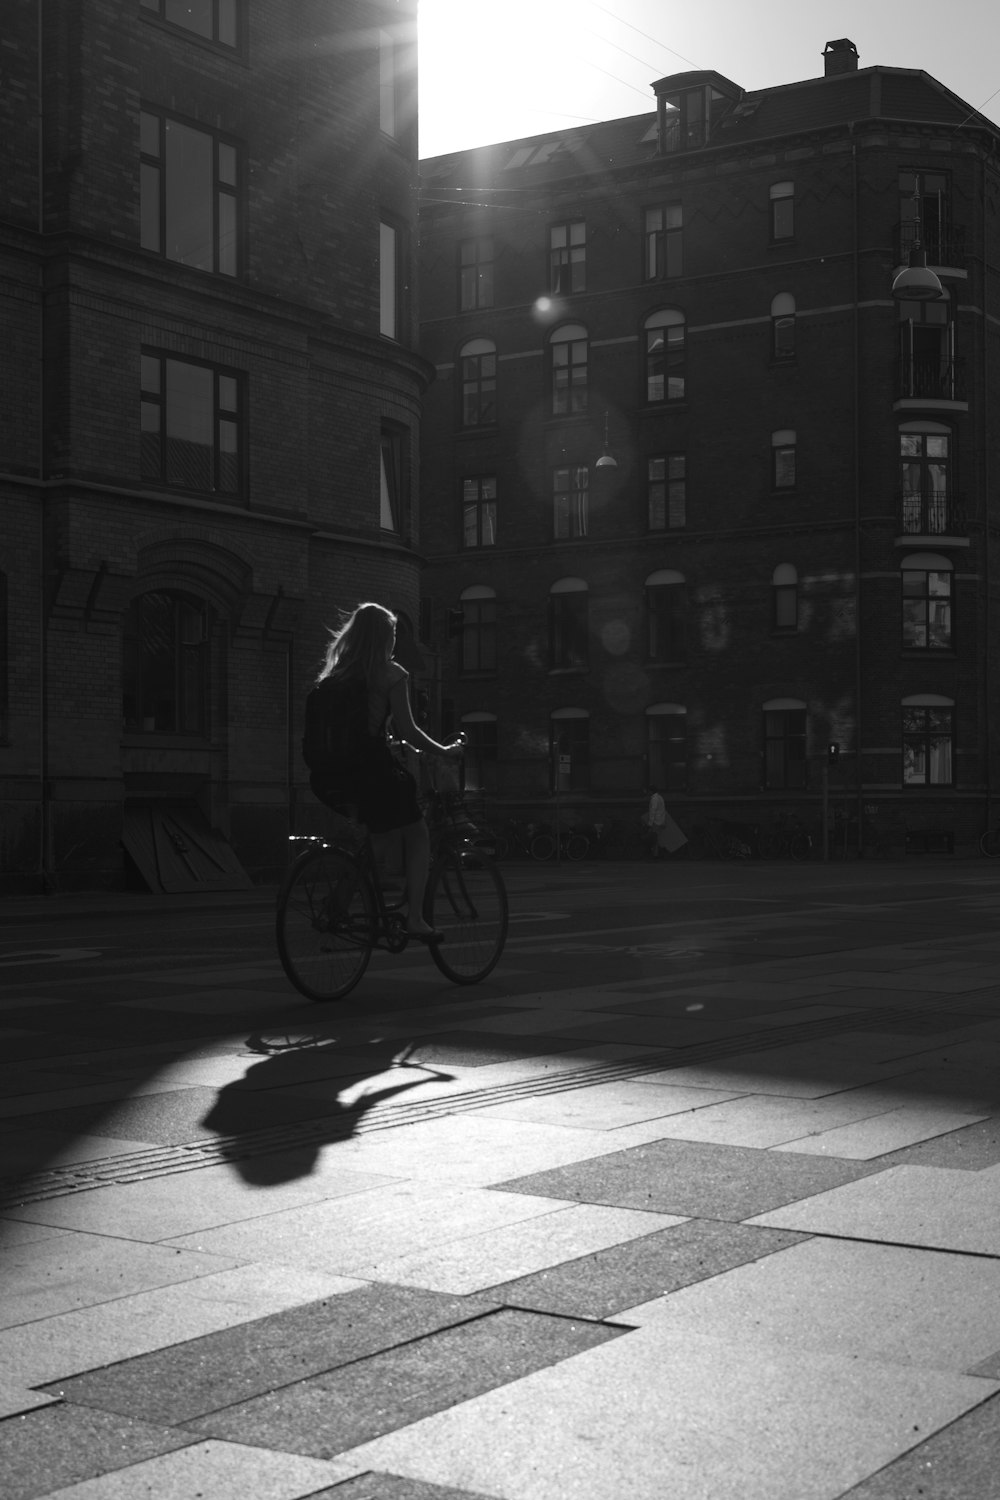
x=930, y=381
x=939, y=514
x=943, y=244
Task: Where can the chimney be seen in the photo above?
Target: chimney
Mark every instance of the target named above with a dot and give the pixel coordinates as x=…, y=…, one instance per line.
x=840, y=57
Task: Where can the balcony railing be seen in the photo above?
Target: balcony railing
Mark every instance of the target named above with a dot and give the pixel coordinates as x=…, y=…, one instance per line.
x=930, y=380
x=939, y=514
x=943, y=244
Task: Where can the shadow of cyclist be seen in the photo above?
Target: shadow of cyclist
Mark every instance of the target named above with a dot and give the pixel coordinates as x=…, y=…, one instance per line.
x=250, y=1114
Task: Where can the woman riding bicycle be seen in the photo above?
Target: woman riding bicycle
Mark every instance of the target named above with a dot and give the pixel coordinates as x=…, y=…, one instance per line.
x=384, y=791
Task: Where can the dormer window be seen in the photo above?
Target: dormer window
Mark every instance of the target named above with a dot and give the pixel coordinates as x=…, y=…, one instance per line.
x=689, y=105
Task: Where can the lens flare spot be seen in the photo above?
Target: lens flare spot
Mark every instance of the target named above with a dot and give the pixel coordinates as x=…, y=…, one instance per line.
x=616, y=637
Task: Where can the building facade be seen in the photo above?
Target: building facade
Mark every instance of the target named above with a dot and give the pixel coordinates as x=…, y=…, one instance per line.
x=702, y=497
x=209, y=423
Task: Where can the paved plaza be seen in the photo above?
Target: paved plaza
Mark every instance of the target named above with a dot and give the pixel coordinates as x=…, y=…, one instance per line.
x=697, y=1197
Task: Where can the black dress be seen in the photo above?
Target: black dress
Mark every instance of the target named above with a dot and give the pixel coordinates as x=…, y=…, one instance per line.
x=383, y=791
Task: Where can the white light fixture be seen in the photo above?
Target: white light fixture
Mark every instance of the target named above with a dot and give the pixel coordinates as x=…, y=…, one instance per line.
x=607, y=459
x=916, y=282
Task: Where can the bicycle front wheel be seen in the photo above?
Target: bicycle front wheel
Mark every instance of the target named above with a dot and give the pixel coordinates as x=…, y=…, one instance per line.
x=325, y=924
x=467, y=902
x=577, y=846
x=543, y=846
x=989, y=844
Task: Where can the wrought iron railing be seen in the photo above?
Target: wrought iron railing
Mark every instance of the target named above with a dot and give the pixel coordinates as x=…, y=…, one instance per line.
x=930, y=379
x=943, y=244
x=940, y=513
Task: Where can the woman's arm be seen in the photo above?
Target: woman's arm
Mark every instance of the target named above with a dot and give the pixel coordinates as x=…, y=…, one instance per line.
x=403, y=720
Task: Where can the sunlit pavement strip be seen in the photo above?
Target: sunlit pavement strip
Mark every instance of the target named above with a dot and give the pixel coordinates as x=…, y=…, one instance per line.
x=716, y=1271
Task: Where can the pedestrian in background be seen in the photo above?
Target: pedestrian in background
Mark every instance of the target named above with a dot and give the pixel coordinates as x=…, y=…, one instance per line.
x=664, y=835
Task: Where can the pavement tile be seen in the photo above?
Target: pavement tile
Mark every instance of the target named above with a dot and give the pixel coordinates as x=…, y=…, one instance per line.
x=873, y=1302
x=478, y=1261
x=64, y=1345
x=158, y=1208
x=15, y=1398
x=59, y=1446
x=213, y=1469
x=880, y=1134
x=960, y=1462
x=933, y=1206
x=805, y=1071
x=971, y=1148
x=703, y=1419
x=174, y=1384
x=393, y=1487
x=351, y=1240
x=473, y=1049
x=604, y=1282
x=24, y=1149
x=605, y=1106
x=763, y=1120
x=74, y=1270
x=330, y=1413
x=690, y=1178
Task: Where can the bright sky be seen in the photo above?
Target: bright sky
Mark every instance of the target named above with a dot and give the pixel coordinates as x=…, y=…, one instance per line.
x=492, y=72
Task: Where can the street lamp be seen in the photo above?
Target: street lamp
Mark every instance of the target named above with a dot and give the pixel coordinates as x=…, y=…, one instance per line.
x=607, y=459
x=916, y=282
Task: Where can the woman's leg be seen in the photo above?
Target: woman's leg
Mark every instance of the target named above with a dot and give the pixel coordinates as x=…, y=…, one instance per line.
x=417, y=857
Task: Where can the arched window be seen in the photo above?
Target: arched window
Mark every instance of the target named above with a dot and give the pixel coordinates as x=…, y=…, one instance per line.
x=784, y=744
x=928, y=740
x=927, y=602
x=165, y=664
x=783, y=326
x=568, y=363
x=782, y=196
x=785, y=588
x=783, y=459
x=568, y=625
x=570, y=502
x=666, y=746
x=665, y=611
x=925, y=478
x=480, y=760
x=479, y=629
x=478, y=366
x=569, y=750
x=664, y=356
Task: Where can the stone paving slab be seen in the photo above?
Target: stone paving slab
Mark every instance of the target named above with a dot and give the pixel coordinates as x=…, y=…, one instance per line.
x=704, y=1419
x=872, y=1302
x=213, y=1469
x=960, y=1462
x=692, y=1179
x=68, y=1343
x=932, y=1206
x=971, y=1148
x=605, y=1282
x=606, y=1106
x=16, y=1398
x=175, y=1384
x=393, y=1487
x=880, y=1134
x=54, y=1449
x=330, y=1413
x=763, y=1120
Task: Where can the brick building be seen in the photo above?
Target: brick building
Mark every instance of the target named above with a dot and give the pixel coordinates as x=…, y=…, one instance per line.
x=209, y=412
x=787, y=544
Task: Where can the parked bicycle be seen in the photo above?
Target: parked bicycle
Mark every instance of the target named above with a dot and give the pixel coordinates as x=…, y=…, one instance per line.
x=727, y=840
x=785, y=839
x=568, y=843
x=989, y=843
x=333, y=913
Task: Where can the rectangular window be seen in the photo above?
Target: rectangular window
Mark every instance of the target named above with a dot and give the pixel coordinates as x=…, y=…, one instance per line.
x=569, y=374
x=567, y=258
x=928, y=744
x=666, y=492
x=480, y=761
x=570, y=508
x=479, y=384
x=191, y=425
x=386, y=82
x=479, y=511
x=391, y=481
x=665, y=609
x=568, y=631
x=665, y=358
x=783, y=460
x=784, y=748
x=189, y=195
x=214, y=20
x=388, y=286
x=782, y=196
x=664, y=242
x=475, y=274
x=666, y=748
x=479, y=635
x=926, y=609
x=569, y=754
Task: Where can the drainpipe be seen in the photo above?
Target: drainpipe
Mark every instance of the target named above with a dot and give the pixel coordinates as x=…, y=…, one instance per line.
x=44, y=811
x=856, y=423
x=987, y=571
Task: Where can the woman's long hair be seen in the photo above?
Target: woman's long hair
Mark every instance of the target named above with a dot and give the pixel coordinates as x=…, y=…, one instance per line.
x=360, y=643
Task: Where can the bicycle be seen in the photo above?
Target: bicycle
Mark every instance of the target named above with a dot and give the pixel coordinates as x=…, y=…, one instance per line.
x=989, y=843
x=785, y=839
x=727, y=840
x=332, y=912
x=572, y=844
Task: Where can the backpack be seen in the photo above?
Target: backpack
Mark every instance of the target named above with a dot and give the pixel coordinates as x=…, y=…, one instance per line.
x=336, y=725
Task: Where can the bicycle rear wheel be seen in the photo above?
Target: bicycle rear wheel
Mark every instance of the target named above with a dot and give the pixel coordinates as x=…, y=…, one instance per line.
x=576, y=846
x=989, y=844
x=467, y=902
x=543, y=846
x=325, y=923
